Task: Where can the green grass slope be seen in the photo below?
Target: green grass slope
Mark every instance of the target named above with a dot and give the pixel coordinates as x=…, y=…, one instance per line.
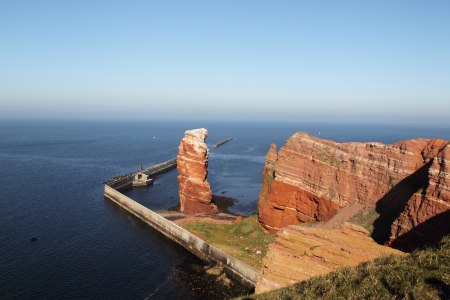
x=425, y=274
x=245, y=240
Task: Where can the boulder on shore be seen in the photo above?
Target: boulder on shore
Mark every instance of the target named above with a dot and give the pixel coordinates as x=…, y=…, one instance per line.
x=216, y=270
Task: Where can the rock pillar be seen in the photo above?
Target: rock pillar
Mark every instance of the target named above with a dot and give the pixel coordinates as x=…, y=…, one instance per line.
x=192, y=164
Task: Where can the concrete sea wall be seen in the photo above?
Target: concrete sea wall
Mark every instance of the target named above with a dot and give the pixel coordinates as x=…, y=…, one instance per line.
x=235, y=268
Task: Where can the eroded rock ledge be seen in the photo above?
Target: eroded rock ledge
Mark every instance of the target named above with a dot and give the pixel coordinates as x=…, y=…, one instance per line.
x=300, y=253
x=192, y=164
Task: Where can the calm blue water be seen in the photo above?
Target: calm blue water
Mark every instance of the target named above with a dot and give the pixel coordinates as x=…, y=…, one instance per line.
x=87, y=247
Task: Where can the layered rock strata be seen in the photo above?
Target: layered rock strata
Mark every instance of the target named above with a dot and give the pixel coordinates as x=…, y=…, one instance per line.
x=192, y=164
x=300, y=253
x=310, y=178
x=426, y=216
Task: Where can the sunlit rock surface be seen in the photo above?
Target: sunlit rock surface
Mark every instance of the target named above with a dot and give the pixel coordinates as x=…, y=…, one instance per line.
x=300, y=253
x=192, y=164
x=310, y=178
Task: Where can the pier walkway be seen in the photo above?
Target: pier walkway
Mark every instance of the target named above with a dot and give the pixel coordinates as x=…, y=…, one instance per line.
x=125, y=181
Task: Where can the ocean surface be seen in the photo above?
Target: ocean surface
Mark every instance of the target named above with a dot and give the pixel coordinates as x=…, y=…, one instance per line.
x=89, y=248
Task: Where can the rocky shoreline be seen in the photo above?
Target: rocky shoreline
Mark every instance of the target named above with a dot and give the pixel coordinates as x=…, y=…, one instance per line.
x=207, y=281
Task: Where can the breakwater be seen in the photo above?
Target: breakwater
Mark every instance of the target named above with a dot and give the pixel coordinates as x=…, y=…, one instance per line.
x=234, y=268
x=124, y=182
x=222, y=142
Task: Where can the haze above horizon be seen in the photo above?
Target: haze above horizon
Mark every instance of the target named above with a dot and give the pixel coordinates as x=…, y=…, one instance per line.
x=291, y=60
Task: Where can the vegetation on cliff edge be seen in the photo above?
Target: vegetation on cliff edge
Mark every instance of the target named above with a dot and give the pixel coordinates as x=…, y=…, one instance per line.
x=244, y=240
x=365, y=218
x=425, y=274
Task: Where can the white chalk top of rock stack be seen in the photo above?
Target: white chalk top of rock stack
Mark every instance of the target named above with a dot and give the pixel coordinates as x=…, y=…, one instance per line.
x=197, y=134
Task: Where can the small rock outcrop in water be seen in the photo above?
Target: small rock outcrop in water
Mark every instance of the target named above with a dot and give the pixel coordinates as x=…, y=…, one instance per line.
x=300, y=253
x=310, y=178
x=192, y=164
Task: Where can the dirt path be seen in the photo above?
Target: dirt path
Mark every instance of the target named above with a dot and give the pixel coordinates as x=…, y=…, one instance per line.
x=180, y=218
x=343, y=215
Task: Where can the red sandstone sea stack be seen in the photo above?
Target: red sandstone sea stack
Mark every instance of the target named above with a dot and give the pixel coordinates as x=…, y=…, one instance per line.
x=192, y=164
x=310, y=178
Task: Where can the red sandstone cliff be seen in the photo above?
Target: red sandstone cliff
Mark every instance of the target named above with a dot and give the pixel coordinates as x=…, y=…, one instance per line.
x=192, y=164
x=426, y=216
x=310, y=178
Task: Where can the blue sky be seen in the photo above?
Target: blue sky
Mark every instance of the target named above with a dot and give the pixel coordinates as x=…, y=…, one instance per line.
x=302, y=60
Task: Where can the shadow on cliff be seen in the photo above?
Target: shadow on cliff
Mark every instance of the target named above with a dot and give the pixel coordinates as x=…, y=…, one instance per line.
x=426, y=233
x=393, y=203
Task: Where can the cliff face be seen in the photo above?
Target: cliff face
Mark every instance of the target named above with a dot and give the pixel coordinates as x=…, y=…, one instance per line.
x=426, y=216
x=192, y=164
x=300, y=253
x=310, y=178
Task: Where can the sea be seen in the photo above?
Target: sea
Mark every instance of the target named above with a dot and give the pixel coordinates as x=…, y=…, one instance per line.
x=53, y=174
